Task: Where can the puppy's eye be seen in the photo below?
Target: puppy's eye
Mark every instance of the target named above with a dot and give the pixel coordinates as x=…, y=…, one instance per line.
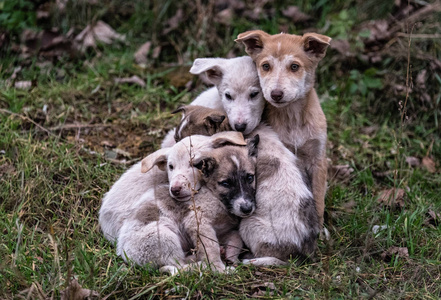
x=254, y=94
x=224, y=183
x=170, y=167
x=294, y=67
x=228, y=96
x=265, y=67
x=250, y=178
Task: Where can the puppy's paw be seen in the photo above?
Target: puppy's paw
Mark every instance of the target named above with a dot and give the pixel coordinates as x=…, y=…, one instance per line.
x=171, y=270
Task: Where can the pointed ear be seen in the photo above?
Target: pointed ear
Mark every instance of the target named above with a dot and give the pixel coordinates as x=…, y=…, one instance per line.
x=252, y=145
x=253, y=41
x=181, y=109
x=315, y=44
x=228, y=138
x=214, y=121
x=207, y=165
x=212, y=67
x=158, y=158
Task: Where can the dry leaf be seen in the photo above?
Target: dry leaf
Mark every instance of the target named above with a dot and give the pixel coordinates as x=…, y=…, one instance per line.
x=342, y=46
x=295, y=14
x=134, y=79
x=75, y=292
x=339, y=172
x=174, y=21
x=23, y=85
x=378, y=31
x=429, y=164
x=6, y=169
x=225, y=16
x=400, y=251
x=392, y=198
x=100, y=32
x=141, y=54
x=434, y=218
x=413, y=161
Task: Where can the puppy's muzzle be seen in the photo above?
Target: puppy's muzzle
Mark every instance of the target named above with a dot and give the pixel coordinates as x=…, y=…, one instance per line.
x=277, y=95
x=241, y=127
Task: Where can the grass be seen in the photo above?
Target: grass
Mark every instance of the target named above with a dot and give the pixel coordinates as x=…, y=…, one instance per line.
x=51, y=186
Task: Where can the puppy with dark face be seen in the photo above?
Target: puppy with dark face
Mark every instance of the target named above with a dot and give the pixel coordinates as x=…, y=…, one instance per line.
x=284, y=224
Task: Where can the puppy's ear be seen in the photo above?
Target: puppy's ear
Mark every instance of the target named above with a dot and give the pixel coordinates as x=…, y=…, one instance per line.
x=212, y=67
x=158, y=158
x=252, y=145
x=253, y=41
x=228, y=138
x=214, y=121
x=315, y=44
x=207, y=165
x=181, y=109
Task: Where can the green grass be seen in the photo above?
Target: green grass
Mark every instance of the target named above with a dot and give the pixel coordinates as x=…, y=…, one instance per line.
x=51, y=184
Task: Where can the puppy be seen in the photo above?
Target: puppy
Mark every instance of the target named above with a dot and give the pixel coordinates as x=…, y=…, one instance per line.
x=286, y=67
x=125, y=196
x=163, y=230
x=237, y=92
x=285, y=223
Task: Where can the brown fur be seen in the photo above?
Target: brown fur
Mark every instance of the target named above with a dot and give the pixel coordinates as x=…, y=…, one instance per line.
x=300, y=120
x=208, y=121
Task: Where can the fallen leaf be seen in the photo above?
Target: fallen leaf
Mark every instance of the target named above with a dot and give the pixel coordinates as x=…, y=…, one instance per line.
x=295, y=14
x=100, y=32
x=225, y=16
x=434, y=218
x=429, y=164
x=378, y=228
x=264, y=285
x=399, y=251
x=339, y=172
x=156, y=52
x=23, y=85
x=174, y=21
x=392, y=197
x=134, y=79
x=75, y=292
x=421, y=79
x=342, y=46
x=378, y=31
x=141, y=53
x=413, y=161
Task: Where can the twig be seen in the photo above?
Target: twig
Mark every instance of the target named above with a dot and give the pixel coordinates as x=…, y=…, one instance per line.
x=419, y=36
x=78, y=126
x=5, y=111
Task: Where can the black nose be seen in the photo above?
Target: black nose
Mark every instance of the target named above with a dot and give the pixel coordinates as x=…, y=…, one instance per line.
x=246, y=209
x=176, y=190
x=240, y=127
x=277, y=95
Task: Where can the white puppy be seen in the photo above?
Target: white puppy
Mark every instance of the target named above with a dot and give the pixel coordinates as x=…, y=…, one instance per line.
x=237, y=92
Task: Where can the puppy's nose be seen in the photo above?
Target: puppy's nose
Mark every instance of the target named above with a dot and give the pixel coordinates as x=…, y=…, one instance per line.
x=246, y=209
x=277, y=95
x=240, y=127
x=176, y=190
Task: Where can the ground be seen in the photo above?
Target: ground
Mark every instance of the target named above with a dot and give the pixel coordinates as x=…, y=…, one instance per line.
x=68, y=136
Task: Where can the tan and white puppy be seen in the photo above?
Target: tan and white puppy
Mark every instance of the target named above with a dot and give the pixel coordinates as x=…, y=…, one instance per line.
x=162, y=231
x=125, y=196
x=286, y=67
x=237, y=92
x=285, y=223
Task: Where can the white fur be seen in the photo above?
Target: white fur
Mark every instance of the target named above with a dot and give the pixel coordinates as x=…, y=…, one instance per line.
x=278, y=218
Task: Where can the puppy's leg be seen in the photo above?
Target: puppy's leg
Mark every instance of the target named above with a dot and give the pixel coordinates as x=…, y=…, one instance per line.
x=208, y=248
x=319, y=176
x=265, y=261
x=233, y=247
x=153, y=243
